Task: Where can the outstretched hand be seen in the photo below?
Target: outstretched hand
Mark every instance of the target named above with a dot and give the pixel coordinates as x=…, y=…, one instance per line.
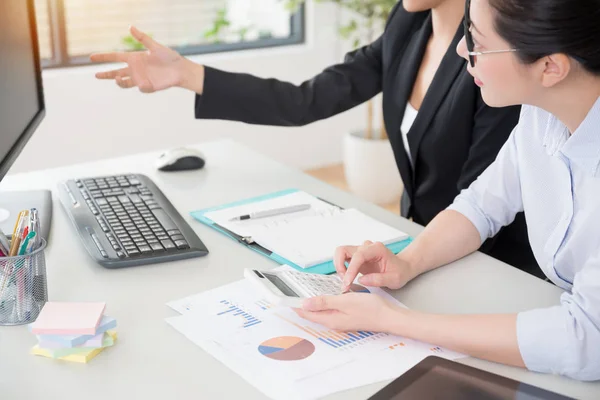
x=154, y=69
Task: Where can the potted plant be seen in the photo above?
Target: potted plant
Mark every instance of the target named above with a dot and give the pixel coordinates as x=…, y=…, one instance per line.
x=369, y=163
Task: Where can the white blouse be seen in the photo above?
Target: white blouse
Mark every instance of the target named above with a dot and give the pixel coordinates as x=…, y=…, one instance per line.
x=409, y=118
x=555, y=178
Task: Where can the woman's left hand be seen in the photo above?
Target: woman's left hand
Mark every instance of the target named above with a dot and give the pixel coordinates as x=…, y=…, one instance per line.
x=352, y=311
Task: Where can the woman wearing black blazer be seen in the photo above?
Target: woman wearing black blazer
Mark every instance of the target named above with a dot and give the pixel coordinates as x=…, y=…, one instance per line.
x=443, y=146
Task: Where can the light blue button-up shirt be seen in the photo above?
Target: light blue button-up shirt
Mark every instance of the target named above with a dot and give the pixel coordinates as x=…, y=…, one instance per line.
x=554, y=177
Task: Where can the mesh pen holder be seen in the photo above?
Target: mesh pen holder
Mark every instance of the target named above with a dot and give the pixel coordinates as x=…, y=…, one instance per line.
x=23, y=290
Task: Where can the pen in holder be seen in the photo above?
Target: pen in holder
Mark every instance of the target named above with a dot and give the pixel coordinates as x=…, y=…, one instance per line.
x=23, y=290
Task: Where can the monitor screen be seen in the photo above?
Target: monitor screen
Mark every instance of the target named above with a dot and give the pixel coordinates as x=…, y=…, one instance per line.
x=21, y=94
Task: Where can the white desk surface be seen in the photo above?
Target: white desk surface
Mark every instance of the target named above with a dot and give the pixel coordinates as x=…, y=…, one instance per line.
x=151, y=360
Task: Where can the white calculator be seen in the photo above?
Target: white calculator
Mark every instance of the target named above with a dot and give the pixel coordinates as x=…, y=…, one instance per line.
x=289, y=288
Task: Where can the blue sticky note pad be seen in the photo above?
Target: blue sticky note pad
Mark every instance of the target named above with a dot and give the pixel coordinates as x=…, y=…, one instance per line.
x=323, y=268
x=106, y=324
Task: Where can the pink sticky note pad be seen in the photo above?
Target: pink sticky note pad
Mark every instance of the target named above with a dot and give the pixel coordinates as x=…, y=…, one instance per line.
x=58, y=318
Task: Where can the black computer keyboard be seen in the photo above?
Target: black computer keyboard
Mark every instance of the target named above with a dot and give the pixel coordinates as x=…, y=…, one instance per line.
x=125, y=220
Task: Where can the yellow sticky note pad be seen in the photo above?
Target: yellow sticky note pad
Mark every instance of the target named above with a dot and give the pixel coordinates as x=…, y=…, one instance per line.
x=80, y=357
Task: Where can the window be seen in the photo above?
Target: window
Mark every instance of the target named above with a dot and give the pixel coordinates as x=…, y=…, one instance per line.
x=70, y=30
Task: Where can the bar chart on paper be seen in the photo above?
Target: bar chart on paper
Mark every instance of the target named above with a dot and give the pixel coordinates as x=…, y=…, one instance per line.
x=341, y=340
x=246, y=319
x=263, y=305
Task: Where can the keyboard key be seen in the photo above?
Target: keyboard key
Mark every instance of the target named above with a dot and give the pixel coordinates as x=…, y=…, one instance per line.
x=169, y=245
x=177, y=237
x=145, y=249
x=157, y=246
x=181, y=244
x=164, y=219
x=134, y=252
x=98, y=245
x=120, y=254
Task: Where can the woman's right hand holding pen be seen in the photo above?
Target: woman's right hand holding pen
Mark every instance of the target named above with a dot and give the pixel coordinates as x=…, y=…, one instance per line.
x=379, y=266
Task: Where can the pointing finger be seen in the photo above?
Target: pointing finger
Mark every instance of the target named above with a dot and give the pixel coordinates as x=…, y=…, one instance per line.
x=110, y=57
x=123, y=72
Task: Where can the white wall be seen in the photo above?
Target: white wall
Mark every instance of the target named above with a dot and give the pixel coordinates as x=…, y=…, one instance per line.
x=89, y=119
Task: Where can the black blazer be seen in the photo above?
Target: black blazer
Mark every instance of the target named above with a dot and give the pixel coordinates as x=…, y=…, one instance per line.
x=452, y=141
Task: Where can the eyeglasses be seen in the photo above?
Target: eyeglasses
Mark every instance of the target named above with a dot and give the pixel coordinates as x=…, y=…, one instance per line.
x=469, y=39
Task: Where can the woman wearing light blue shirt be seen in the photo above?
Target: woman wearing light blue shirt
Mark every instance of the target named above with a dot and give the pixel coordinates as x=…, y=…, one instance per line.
x=543, y=53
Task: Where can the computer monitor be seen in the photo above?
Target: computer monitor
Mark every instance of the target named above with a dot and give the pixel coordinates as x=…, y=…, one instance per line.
x=21, y=105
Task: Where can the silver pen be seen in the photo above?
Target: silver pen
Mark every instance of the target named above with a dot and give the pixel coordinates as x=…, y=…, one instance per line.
x=273, y=212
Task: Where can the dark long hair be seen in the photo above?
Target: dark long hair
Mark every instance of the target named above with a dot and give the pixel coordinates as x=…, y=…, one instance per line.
x=539, y=28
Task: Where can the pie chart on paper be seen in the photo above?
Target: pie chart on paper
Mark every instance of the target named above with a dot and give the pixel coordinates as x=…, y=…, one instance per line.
x=286, y=348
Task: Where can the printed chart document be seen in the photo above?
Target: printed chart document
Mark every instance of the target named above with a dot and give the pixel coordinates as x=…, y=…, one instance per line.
x=285, y=356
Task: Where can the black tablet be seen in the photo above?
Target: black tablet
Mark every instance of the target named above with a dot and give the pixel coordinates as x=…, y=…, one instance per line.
x=438, y=378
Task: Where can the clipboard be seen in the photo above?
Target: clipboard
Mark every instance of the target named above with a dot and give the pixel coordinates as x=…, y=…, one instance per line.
x=323, y=268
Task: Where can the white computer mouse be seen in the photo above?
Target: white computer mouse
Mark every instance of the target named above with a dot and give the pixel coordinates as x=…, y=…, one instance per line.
x=180, y=159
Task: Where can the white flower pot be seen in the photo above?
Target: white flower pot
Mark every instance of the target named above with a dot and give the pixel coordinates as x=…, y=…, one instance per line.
x=371, y=170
